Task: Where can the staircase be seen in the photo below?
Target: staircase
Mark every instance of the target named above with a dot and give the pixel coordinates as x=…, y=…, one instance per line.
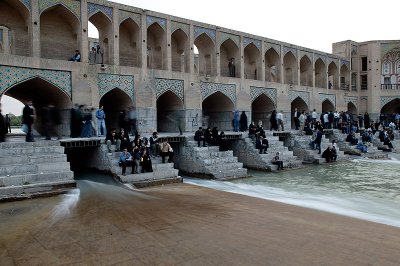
x=210, y=163
x=32, y=169
x=300, y=145
x=163, y=173
x=247, y=153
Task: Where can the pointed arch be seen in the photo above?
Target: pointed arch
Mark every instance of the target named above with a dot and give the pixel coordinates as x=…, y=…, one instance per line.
x=299, y=104
x=207, y=59
x=113, y=110
x=290, y=68
x=391, y=107
x=229, y=52
x=15, y=16
x=252, y=62
x=170, y=111
x=333, y=75
x=156, y=47
x=327, y=106
x=351, y=108
x=272, y=65
x=180, y=51
x=344, y=77
x=129, y=43
x=217, y=109
x=61, y=43
x=261, y=108
x=320, y=73
x=306, y=73
x=104, y=25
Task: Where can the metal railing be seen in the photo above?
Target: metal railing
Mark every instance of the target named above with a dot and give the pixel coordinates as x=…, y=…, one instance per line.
x=390, y=86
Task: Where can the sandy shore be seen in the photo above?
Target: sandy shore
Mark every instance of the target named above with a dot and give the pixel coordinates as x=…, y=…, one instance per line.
x=187, y=225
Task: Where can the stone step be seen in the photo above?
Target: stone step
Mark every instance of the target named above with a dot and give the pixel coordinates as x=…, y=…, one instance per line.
x=26, y=159
x=129, y=178
x=230, y=174
x=17, y=169
x=222, y=160
x=208, y=155
x=288, y=165
x=34, y=190
x=223, y=167
x=156, y=168
x=32, y=150
x=41, y=143
x=33, y=178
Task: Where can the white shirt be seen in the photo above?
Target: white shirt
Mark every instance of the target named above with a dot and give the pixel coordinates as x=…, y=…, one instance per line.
x=314, y=115
x=279, y=116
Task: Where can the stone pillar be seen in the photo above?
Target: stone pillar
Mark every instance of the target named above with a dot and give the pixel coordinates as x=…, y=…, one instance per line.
x=338, y=77
x=169, y=53
x=281, y=69
x=313, y=68
x=242, y=77
x=191, y=55
x=262, y=61
x=115, y=37
x=5, y=40
x=143, y=28
x=35, y=26
x=84, y=34
x=298, y=67
x=218, y=54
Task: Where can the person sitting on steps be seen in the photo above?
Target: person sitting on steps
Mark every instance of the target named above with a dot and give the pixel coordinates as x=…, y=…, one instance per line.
x=277, y=161
x=125, y=159
x=199, y=136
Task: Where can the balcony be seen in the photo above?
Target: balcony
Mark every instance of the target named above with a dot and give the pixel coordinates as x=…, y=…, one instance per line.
x=390, y=86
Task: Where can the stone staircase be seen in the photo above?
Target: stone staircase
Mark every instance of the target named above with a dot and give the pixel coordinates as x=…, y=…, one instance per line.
x=373, y=150
x=32, y=169
x=210, y=163
x=162, y=173
x=300, y=145
x=247, y=153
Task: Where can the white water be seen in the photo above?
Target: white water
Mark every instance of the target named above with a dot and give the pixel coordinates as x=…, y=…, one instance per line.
x=364, y=189
x=66, y=205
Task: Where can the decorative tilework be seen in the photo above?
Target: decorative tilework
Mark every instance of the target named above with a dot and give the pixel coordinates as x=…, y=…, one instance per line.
x=386, y=47
x=334, y=60
x=363, y=98
x=247, y=41
x=199, y=30
x=351, y=99
x=289, y=49
x=108, y=82
x=257, y=91
x=208, y=88
x=174, y=85
x=320, y=56
x=161, y=21
x=304, y=95
x=10, y=76
x=353, y=49
x=387, y=99
x=223, y=36
x=72, y=5
x=125, y=14
x=344, y=62
x=27, y=3
x=94, y=8
x=177, y=25
x=274, y=46
x=304, y=53
x=329, y=97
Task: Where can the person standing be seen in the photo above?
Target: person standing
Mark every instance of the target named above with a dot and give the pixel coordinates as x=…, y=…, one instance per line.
x=166, y=149
x=296, y=116
x=3, y=128
x=236, y=121
x=99, y=55
x=8, y=123
x=101, y=123
x=279, y=118
x=243, y=122
x=273, y=121
x=92, y=56
x=318, y=140
x=302, y=121
x=367, y=121
x=28, y=117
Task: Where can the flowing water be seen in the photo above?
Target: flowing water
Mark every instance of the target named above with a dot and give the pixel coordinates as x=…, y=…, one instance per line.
x=365, y=189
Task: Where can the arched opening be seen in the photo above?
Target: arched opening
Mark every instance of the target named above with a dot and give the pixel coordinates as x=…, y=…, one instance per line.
x=114, y=102
x=59, y=33
x=15, y=17
x=351, y=108
x=229, y=59
x=105, y=29
x=261, y=109
x=333, y=76
x=217, y=111
x=129, y=43
x=301, y=106
x=290, y=69
x=170, y=112
x=180, y=51
x=306, y=73
x=354, y=81
x=272, y=63
x=43, y=93
x=320, y=74
x=156, y=47
x=252, y=61
x=327, y=106
x=344, y=77
x=392, y=107
x=206, y=61
x=196, y=59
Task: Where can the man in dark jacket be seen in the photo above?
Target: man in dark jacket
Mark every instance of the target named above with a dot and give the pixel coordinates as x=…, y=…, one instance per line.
x=27, y=119
x=199, y=136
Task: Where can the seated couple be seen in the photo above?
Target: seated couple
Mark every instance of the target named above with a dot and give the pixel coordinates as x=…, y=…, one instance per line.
x=142, y=158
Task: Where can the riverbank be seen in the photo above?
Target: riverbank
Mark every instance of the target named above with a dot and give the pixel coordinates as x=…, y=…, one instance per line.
x=184, y=225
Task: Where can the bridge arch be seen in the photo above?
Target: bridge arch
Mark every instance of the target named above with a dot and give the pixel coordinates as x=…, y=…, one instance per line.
x=306, y=73
x=272, y=66
x=320, y=73
x=129, y=43
x=115, y=102
x=229, y=50
x=333, y=75
x=261, y=109
x=207, y=60
x=42, y=93
x=344, y=77
x=180, y=51
x=217, y=111
x=156, y=47
x=170, y=112
x=328, y=106
x=104, y=26
x=301, y=106
x=290, y=68
x=351, y=108
x=15, y=17
x=391, y=107
x=252, y=61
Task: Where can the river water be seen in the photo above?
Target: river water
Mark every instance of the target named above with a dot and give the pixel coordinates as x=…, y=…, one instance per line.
x=361, y=188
